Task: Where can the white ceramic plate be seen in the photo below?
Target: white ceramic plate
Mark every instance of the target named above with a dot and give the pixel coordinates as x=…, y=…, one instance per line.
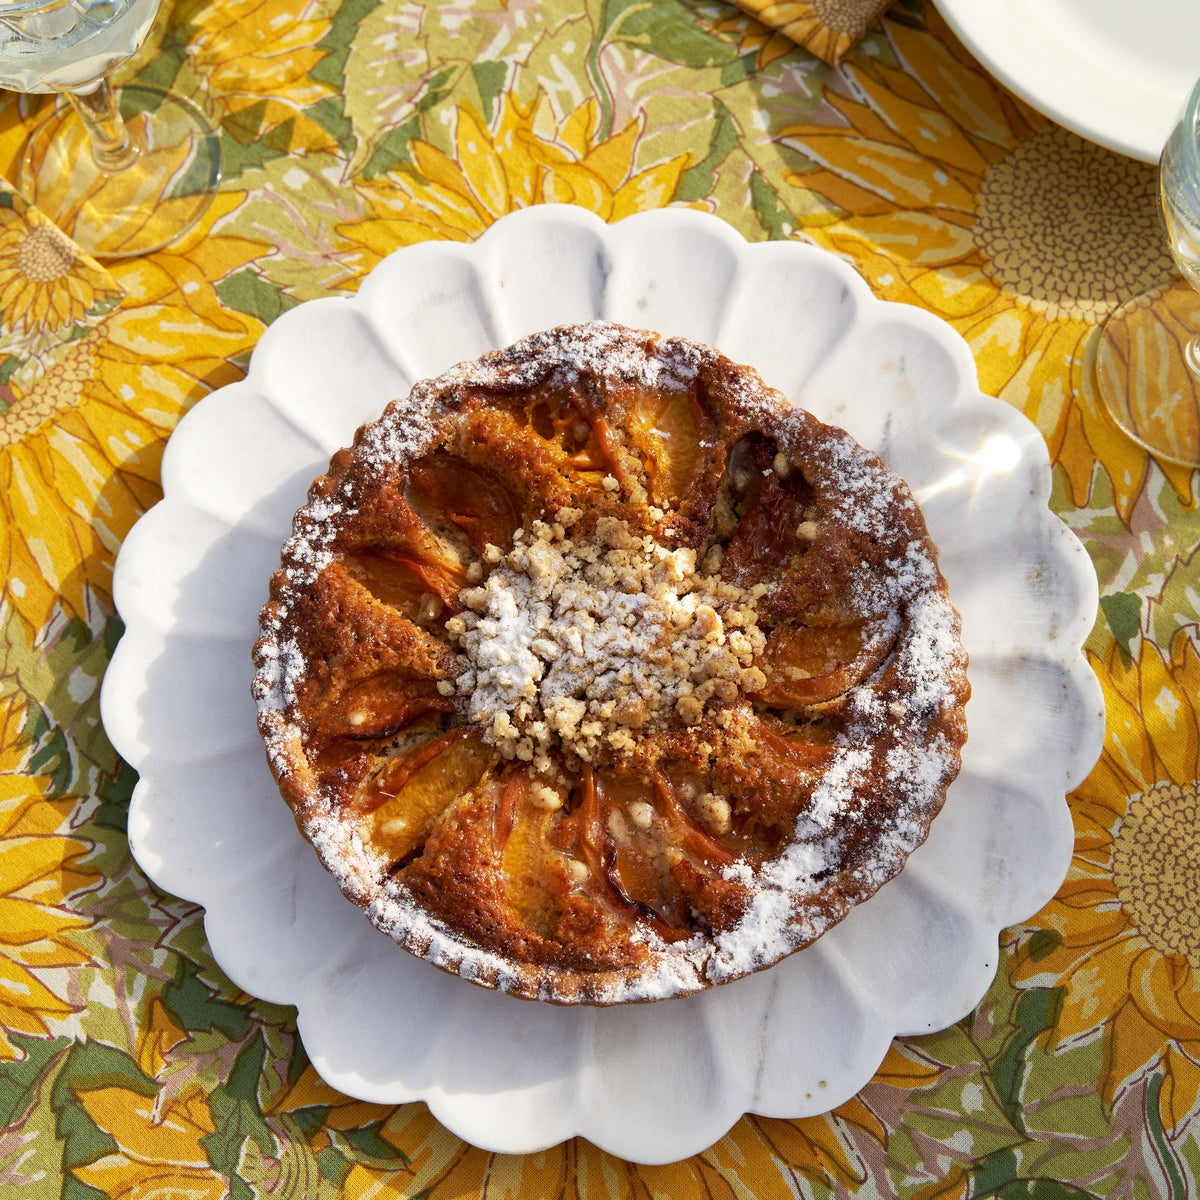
x=655, y=1082
x=1115, y=71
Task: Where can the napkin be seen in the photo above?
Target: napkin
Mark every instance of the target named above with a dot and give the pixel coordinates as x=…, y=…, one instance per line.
x=829, y=28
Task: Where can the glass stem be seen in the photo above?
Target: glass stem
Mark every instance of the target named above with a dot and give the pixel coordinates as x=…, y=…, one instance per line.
x=112, y=147
x=1191, y=355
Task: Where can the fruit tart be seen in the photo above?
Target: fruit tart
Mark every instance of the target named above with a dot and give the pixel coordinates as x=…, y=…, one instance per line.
x=597, y=672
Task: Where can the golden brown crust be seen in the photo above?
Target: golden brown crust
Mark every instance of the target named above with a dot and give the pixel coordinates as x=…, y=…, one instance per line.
x=597, y=673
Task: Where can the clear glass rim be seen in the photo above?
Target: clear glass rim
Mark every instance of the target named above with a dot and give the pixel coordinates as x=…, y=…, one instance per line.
x=1191, y=136
x=29, y=8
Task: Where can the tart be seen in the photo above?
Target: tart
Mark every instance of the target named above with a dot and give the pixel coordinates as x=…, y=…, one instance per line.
x=595, y=671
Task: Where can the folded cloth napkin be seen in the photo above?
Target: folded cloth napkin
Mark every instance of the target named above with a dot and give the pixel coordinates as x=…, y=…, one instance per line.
x=829, y=28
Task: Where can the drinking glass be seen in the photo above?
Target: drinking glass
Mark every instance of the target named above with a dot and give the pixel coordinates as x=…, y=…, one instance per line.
x=123, y=175
x=1148, y=356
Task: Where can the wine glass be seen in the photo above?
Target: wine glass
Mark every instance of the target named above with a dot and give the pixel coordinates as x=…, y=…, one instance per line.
x=1148, y=356
x=123, y=175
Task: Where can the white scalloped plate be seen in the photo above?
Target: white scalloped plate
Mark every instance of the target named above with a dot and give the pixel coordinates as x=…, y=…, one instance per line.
x=656, y=1082
x=1116, y=73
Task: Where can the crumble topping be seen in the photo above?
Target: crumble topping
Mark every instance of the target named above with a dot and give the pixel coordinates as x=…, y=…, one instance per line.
x=585, y=641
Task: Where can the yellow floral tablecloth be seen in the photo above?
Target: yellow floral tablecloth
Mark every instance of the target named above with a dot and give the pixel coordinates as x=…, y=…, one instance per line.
x=128, y=1065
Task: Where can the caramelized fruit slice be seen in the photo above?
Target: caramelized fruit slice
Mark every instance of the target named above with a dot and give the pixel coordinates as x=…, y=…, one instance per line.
x=789, y=753
x=393, y=528
x=773, y=785
x=813, y=664
x=687, y=833
x=510, y=790
x=470, y=496
x=421, y=591
x=583, y=446
x=576, y=439
x=665, y=429
x=596, y=849
x=631, y=832
x=377, y=708
x=766, y=538
x=408, y=795
x=595, y=845
x=607, y=444
x=534, y=877
x=641, y=852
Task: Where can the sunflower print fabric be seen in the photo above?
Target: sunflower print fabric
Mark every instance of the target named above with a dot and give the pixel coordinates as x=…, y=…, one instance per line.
x=129, y=1065
x=829, y=28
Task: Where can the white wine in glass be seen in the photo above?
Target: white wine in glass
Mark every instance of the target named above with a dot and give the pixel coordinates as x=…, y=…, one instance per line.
x=122, y=174
x=1148, y=355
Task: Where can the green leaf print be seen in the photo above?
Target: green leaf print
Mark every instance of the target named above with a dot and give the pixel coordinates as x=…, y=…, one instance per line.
x=668, y=30
x=248, y=292
x=391, y=150
x=90, y=1065
x=697, y=181
x=389, y=76
x=337, y=42
x=309, y=1120
x=993, y=1173
x=772, y=216
x=370, y=1144
x=237, y=1113
x=74, y=1189
x=1040, y=1189
x=334, y=1166
x=1159, y=1137
x=1037, y=1010
x=163, y=67
x=196, y=1007
x=114, y=794
x=738, y=70
x=20, y=1082
x=310, y=1176
x=243, y=145
x=490, y=78
x=1123, y=612
x=1178, y=605
x=52, y=753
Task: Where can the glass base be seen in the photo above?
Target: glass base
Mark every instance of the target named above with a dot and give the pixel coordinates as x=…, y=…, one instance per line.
x=1144, y=372
x=138, y=208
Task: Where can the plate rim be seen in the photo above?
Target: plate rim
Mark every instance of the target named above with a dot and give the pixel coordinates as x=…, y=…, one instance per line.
x=1052, y=75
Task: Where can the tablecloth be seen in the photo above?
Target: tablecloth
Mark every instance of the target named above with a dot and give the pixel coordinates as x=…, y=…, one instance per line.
x=128, y=1062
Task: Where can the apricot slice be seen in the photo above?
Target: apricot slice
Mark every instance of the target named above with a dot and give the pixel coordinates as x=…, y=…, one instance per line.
x=792, y=754
x=403, y=532
x=640, y=861
x=469, y=496
x=665, y=429
x=597, y=851
x=813, y=664
x=406, y=798
x=571, y=433
x=510, y=788
x=420, y=591
x=691, y=837
x=534, y=875
x=766, y=536
x=378, y=707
